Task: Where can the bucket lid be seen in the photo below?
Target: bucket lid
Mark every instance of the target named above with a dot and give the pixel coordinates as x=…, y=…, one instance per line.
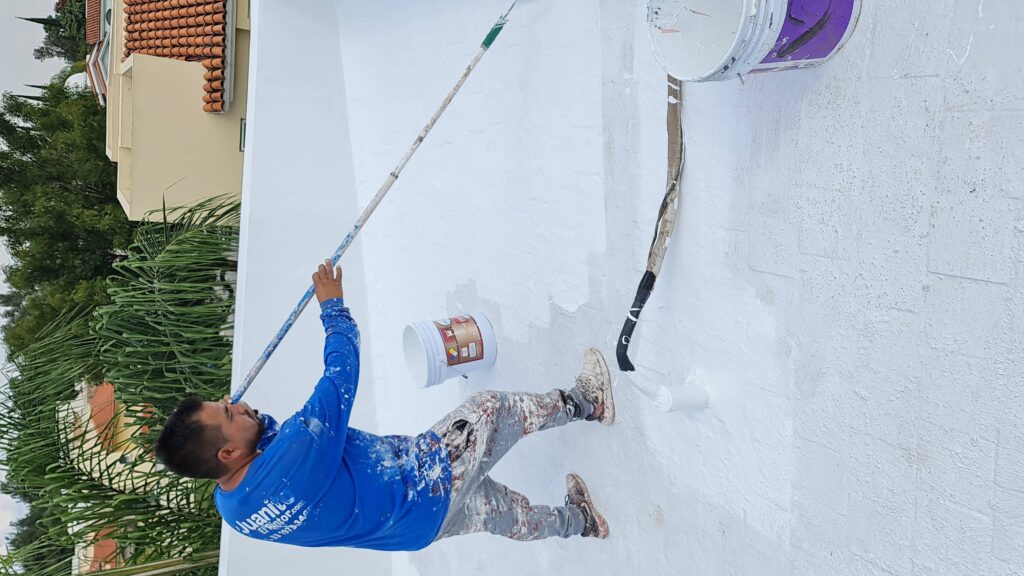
x=695, y=39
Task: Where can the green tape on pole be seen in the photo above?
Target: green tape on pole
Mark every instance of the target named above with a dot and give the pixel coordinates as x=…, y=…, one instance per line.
x=493, y=34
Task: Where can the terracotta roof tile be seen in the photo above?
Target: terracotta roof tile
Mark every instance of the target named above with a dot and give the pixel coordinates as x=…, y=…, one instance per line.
x=92, y=22
x=104, y=552
x=192, y=30
x=102, y=409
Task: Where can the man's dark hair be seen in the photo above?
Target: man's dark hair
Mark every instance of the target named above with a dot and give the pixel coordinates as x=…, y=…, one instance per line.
x=187, y=446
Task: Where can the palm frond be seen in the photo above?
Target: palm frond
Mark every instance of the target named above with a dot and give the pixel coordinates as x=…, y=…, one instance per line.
x=166, y=334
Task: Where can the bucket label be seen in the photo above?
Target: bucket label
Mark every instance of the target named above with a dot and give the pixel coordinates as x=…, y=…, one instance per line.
x=462, y=339
x=812, y=30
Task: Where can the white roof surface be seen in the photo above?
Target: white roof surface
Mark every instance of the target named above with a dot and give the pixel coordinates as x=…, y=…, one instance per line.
x=846, y=269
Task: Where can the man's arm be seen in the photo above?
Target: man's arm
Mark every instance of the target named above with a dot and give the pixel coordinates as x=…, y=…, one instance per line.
x=331, y=403
x=342, y=342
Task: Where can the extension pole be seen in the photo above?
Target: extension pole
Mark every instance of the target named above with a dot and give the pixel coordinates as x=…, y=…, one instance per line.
x=665, y=225
x=368, y=211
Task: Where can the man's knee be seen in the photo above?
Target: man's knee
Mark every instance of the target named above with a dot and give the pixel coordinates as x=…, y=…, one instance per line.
x=486, y=402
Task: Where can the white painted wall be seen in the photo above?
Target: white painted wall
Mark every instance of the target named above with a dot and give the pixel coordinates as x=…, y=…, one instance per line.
x=848, y=269
x=298, y=197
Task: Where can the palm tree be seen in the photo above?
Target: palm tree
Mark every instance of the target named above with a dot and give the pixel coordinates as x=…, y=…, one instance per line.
x=165, y=334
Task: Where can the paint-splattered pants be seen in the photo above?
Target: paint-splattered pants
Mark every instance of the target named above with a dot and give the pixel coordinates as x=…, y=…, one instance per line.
x=478, y=433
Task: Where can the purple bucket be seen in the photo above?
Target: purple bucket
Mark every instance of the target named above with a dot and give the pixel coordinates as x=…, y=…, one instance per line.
x=699, y=40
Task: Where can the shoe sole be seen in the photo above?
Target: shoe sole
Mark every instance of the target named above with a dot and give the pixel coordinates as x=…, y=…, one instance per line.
x=602, y=525
x=608, y=417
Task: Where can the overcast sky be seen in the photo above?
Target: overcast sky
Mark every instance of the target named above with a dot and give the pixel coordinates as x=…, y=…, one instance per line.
x=17, y=68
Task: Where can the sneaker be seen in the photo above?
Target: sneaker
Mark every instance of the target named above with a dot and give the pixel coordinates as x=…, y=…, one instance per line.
x=595, y=384
x=594, y=525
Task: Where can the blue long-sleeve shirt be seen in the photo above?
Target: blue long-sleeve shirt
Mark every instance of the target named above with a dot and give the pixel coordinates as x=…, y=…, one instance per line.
x=321, y=483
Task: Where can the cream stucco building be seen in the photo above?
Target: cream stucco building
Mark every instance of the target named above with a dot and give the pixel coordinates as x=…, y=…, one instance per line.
x=176, y=100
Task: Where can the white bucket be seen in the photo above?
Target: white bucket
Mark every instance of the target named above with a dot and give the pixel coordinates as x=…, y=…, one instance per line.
x=443, y=349
x=700, y=40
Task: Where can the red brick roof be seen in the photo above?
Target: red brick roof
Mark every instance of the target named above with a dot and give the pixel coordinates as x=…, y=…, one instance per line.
x=104, y=553
x=102, y=409
x=92, y=22
x=192, y=30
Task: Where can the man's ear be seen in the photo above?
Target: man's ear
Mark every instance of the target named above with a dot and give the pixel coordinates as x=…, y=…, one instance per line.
x=226, y=454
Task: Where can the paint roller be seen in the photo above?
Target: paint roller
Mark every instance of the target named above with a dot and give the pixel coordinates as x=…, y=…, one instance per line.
x=691, y=394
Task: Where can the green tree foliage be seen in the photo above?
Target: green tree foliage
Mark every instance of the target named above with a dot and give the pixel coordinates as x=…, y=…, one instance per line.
x=59, y=214
x=61, y=221
x=33, y=528
x=164, y=334
x=65, y=32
